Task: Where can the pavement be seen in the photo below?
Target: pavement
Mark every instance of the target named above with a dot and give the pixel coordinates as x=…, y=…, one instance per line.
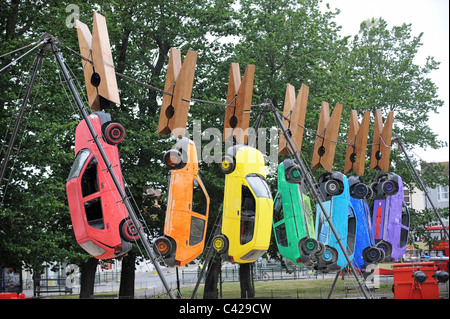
x=147, y=284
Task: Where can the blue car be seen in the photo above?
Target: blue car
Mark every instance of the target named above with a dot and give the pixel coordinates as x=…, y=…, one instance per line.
x=365, y=251
x=334, y=189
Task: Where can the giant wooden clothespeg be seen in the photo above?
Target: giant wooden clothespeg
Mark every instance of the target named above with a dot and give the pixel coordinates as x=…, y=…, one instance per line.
x=239, y=103
x=357, y=143
x=381, y=144
x=177, y=93
x=327, y=132
x=100, y=78
x=294, y=113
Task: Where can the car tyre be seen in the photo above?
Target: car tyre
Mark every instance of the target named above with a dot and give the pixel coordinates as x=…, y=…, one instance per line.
x=220, y=244
x=389, y=187
x=162, y=246
x=329, y=256
x=128, y=231
x=114, y=133
x=174, y=159
x=308, y=246
x=227, y=164
x=332, y=187
x=372, y=254
x=359, y=191
x=320, y=249
x=387, y=248
x=293, y=175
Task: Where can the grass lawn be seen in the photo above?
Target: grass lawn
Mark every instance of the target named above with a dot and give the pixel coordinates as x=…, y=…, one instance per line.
x=303, y=289
x=282, y=289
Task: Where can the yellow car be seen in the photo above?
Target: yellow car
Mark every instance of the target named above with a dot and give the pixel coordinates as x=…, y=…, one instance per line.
x=247, y=206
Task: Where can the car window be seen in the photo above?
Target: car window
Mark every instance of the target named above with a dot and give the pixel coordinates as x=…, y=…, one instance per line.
x=258, y=185
x=351, y=229
x=78, y=164
x=405, y=215
x=197, y=231
x=89, y=180
x=248, y=206
x=404, y=231
x=278, y=213
x=94, y=213
x=199, y=202
x=280, y=231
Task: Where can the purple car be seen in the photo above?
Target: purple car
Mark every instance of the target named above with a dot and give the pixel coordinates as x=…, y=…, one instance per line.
x=390, y=218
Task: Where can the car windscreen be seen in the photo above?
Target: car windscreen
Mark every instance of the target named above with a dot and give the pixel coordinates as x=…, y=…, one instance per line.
x=78, y=164
x=258, y=185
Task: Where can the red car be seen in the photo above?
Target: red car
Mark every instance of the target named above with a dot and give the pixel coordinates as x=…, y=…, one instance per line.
x=99, y=217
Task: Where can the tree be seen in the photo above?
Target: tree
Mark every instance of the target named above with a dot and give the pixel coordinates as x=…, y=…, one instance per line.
x=212, y=278
x=381, y=72
x=246, y=281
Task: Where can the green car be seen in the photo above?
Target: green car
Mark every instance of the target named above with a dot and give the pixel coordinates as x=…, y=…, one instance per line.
x=293, y=222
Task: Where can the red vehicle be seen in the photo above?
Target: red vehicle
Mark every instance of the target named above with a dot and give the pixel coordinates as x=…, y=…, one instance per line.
x=99, y=217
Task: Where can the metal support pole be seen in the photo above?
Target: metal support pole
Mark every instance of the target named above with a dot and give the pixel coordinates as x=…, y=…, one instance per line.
x=315, y=194
x=207, y=259
x=37, y=64
x=334, y=284
x=124, y=197
x=419, y=179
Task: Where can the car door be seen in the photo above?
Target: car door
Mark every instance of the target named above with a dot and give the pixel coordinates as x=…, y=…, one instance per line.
x=200, y=210
x=404, y=226
x=90, y=192
x=279, y=222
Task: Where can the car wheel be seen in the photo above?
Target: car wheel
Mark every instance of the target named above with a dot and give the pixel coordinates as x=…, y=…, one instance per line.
x=387, y=248
x=320, y=249
x=329, y=256
x=227, y=164
x=372, y=254
x=162, y=246
x=382, y=256
x=389, y=187
x=332, y=187
x=374, y=187
x=114, y=133
x=359, y=191
x=369, y=193
x=308, y=246
x=220, y=244
x=174, y=159
x=128, y=230
x=293, y=174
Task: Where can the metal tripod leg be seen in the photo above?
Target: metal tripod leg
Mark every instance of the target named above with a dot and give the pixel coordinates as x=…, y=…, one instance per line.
x=334, y=284
x=37, y=64
x=207, y=259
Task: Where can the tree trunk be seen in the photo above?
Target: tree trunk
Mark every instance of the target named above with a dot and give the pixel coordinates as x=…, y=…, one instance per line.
x=126, y=290
x=88, y=270
x=212, y=277
x=246, y=279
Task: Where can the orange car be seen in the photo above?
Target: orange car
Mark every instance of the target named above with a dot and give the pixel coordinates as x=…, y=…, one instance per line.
x=187, y=207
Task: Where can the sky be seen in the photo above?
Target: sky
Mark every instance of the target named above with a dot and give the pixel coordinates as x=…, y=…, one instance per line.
x=428, y=16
